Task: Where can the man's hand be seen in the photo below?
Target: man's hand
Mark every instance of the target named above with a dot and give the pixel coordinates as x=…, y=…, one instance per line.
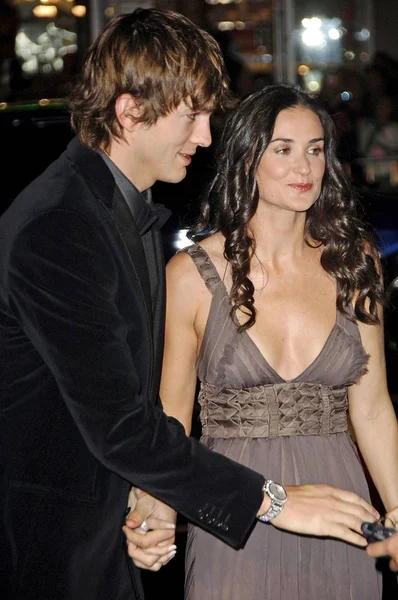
x=325, y=511
x=151, y=547
x=388, y=547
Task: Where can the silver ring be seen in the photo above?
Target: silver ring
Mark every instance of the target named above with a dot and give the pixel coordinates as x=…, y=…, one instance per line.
x=144, y=526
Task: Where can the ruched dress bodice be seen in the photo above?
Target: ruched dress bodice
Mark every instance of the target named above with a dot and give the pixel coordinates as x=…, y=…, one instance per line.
x=239, y=383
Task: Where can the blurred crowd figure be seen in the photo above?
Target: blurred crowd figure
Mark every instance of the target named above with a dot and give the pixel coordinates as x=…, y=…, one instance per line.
x=11, y=80
x=378, y=131
x=235, y=65
x=16, y=85
x=364, y=106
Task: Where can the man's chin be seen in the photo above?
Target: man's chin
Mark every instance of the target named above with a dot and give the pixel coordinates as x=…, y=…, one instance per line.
x=175, y=177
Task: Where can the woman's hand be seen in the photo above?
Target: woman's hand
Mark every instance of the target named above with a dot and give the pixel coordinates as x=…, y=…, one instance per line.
x=150, y=531
x=325, y=511
x=391, y=517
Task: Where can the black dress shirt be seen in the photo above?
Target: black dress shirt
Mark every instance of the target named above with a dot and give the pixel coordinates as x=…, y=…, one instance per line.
x=149, y=219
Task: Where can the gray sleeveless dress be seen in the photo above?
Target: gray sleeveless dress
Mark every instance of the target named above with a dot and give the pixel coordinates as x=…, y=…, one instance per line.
x=294, y=432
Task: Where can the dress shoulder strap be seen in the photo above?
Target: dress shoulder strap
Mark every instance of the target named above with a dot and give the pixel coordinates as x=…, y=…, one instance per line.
x=205, y=266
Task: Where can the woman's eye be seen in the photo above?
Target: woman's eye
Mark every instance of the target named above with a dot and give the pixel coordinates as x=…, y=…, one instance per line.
x=283, y=151
x=316, y=151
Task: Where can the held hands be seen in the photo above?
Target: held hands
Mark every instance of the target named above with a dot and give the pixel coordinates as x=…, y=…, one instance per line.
x=323, y=510
x=150, y=531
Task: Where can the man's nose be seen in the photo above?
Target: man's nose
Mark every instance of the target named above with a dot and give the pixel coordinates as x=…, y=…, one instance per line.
x=201, y=135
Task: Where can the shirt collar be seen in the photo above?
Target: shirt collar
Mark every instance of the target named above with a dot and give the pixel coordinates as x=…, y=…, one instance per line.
x=145, y=213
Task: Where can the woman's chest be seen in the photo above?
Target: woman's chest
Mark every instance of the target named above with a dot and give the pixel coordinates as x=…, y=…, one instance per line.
x=294, y=320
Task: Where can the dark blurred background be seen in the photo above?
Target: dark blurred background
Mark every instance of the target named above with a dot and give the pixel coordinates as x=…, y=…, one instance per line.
x=345, y=52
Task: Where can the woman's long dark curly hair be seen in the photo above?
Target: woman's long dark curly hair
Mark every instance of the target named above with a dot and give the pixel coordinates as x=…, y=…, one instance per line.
x=349, y=254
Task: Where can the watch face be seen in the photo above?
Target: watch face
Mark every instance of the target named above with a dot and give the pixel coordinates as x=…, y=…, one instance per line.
x=278, y=491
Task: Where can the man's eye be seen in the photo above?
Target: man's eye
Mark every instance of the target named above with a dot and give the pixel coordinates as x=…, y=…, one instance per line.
x=192, y=116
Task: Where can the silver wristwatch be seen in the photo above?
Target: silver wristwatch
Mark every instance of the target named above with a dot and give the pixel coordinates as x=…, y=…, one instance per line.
x=277, y=494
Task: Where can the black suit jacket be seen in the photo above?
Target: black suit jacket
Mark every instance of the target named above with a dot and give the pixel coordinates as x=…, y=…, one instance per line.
x=79, y=421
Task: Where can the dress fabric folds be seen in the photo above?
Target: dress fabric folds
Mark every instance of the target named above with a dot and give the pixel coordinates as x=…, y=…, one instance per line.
x=292, y=431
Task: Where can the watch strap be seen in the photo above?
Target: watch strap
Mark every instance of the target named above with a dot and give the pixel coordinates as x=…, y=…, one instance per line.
x=276, y=505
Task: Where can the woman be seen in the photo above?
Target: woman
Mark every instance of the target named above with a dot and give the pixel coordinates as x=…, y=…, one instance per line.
x=278, y=312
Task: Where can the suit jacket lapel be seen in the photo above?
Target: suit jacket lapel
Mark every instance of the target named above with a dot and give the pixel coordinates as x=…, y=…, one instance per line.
x=102, y=184
x=158, y=317
x=128, y=231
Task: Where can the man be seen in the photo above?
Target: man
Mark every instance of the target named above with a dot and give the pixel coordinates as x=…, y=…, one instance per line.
x=81, y=335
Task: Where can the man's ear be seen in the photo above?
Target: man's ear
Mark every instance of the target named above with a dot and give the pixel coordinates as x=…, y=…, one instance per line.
x=127, y=111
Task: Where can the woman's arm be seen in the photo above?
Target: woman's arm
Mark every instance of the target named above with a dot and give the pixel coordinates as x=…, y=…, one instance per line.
x=373, y=417
x=185, y=293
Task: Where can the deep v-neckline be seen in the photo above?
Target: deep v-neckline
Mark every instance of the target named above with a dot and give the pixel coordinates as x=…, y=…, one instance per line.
x=248, y=340
x=254, y=347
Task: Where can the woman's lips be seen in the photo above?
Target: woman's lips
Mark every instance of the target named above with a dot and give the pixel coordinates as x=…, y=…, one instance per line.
x=301, y=187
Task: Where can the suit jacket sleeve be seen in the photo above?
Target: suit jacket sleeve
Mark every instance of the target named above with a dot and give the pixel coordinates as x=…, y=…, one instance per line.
x=62, y=289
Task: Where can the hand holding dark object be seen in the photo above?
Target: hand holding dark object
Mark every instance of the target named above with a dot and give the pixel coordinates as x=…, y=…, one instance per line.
x=386, y=548
x=383, y=540
x=377, y=531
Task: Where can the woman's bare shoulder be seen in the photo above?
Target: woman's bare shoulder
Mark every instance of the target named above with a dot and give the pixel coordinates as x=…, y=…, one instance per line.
x=181, y=271
x=180, y=268
x=214, y=246
x=186, y=290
